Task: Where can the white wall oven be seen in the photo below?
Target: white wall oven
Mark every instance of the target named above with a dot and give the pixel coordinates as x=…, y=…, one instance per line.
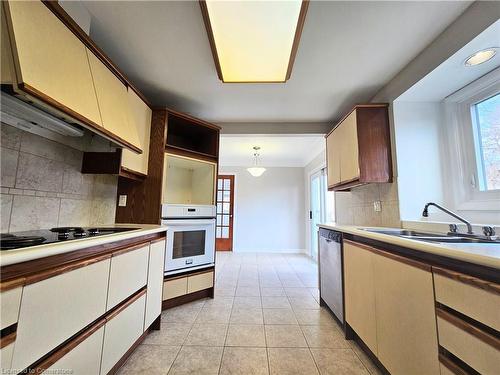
x=190, y=237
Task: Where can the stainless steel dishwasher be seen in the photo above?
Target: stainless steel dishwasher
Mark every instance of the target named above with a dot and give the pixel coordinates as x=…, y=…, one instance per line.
x=330, y=269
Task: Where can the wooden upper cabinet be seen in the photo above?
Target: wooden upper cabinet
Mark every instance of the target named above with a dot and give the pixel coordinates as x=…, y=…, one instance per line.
x=50, y=61
x=359, y=148
x=113, y=100
x=141, y=118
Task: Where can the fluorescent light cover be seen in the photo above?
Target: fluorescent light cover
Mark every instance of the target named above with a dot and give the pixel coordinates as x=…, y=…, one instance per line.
x=256, y=171
x=253, y=39
x=480, y=57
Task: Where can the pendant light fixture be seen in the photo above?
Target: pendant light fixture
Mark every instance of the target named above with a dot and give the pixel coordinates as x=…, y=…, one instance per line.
x=256, y=171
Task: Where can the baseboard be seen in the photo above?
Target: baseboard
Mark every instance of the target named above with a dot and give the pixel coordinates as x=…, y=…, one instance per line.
x=274, y=251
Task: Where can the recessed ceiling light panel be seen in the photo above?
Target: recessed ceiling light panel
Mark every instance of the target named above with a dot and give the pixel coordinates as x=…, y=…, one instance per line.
x=254, y=41
x=481, y=56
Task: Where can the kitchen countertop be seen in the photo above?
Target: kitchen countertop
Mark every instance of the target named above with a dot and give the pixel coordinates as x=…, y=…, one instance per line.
x=24, y=254
x=478, y=253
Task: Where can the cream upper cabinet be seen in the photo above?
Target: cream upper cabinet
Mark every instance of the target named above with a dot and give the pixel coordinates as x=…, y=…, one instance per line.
x=50, y=59
x=406, y=322
x=113, y=100
x=360, y=293
x=141, y=118
x=333, y=159
x=359, y=148
x=348, y=142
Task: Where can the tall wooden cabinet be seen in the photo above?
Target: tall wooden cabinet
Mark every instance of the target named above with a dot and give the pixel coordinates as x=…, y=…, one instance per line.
x=389, y=302
x=358, y=148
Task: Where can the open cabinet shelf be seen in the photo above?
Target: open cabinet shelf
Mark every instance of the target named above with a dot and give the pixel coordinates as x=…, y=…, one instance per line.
x=187, y=136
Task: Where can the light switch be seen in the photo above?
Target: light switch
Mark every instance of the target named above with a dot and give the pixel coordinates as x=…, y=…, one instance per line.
x=122, y=201
x=377, y=206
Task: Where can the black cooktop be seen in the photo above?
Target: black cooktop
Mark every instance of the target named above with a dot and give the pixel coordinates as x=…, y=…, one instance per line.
x=16, y=240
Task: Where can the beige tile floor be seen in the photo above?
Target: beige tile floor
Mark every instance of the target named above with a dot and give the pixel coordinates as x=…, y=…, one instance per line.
x=264, y=319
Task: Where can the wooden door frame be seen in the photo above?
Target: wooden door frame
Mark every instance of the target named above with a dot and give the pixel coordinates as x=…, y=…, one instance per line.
x=231, y=177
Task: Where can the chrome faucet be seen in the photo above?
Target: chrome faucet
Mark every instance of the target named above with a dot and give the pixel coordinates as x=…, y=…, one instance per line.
x=453, y=227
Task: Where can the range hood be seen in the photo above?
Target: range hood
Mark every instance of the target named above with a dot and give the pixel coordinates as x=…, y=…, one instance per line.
x=28, y=117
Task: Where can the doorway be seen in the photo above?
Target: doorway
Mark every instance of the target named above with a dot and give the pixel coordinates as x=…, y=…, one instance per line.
x=317, y=210
x=225, y=213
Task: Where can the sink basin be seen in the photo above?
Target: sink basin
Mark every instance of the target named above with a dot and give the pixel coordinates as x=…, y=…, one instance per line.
x=432, y=237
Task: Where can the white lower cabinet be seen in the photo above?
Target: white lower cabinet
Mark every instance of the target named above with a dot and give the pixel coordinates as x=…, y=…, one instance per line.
x=155, y=282
x=390, y=305
x=121, y=332
x=54, y=309
x=6, y=358
x=11, y=300
x=129, y=273
x=84, y=359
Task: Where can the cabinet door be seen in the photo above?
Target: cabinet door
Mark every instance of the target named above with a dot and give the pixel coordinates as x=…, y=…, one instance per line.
x=11, y=300
x=141, y=119
x=406, y=321
x=84, y=359
x=333, y=158
x=113, y=102
x=121, y=332
x=200, y=282
x=129, y=272
x=155, y=282
x=174, y=288
x=51, y=59
x=349, y=153
x=360, y=293
x=54, y=309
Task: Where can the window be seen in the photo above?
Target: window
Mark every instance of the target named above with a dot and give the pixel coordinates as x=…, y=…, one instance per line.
x=471, y=148
x=486, y=126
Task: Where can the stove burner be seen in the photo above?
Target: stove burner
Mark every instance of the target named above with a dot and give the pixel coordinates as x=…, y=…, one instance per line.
x=9, y=241
x=79, y=233
x=66, y=229
x=62, y=235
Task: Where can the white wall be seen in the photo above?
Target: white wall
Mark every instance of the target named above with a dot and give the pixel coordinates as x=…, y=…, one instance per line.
x=417, y=138
x=269, y=210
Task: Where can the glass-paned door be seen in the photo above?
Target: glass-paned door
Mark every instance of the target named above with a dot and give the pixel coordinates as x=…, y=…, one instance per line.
x=317, y=213
x=225, y=211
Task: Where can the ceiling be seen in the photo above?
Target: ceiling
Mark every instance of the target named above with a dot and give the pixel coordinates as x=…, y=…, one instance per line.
x=348, y=51
x=452, y=74
x=276, y=151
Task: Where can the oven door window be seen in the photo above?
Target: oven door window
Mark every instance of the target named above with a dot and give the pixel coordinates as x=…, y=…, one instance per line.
x=189, y=243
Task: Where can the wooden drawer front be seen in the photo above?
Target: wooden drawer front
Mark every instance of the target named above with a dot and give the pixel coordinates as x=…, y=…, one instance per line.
x=174, y=288
x=200, y=282
x=478, y=354
x=55, y=309
x=155, y=282
x=479, y=304
x=129, y=272
x=61, y=73
x=83, y=359
x=6, y=357
x=11, y=300
x=121, y=332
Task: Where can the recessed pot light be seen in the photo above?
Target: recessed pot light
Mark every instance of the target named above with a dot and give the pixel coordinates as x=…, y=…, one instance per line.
x=480, y=56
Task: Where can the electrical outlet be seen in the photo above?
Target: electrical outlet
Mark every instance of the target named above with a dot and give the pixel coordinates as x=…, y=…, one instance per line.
x=377, y=206
x=122, y=201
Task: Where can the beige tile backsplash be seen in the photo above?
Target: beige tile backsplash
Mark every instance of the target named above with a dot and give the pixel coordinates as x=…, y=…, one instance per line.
x=42, y=186
x=356, y=207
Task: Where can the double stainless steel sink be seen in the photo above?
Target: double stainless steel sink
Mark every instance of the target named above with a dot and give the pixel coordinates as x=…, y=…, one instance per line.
x=434, y=237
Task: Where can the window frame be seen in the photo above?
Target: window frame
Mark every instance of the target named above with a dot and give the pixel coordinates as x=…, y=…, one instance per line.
x=460, y=146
